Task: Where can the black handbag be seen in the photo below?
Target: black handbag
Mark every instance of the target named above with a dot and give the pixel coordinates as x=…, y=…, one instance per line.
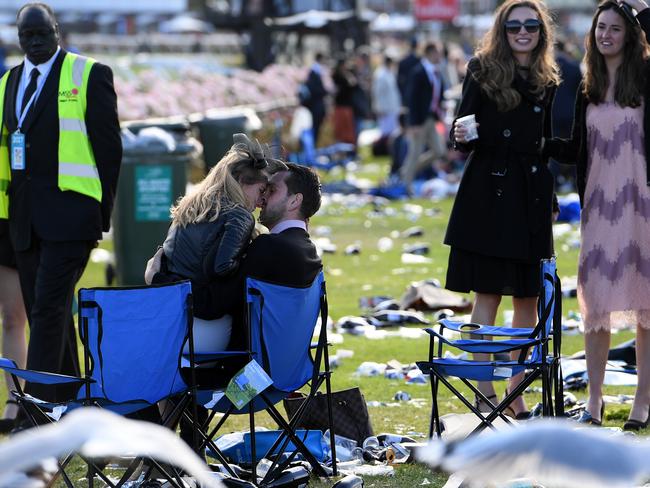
x=349, y=411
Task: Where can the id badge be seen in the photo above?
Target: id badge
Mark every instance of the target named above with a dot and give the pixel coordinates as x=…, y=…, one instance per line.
x=17, y=151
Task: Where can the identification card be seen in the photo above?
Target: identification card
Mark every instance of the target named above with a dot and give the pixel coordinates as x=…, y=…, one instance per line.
x=17, y=151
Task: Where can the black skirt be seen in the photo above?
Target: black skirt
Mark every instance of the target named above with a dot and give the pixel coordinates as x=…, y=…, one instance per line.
x=468, y=271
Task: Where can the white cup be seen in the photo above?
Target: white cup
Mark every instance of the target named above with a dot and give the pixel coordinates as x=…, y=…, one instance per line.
x=469, y=123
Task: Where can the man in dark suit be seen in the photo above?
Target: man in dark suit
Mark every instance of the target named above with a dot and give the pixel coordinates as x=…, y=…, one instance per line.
x=65, y=158
x=315, y=97
x=404, y=69
x=424, y=101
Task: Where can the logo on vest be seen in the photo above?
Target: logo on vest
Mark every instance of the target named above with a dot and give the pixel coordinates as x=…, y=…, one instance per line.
x=68, y=95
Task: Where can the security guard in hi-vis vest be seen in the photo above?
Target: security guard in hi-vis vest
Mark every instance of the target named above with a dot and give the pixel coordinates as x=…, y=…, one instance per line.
x=60, y=155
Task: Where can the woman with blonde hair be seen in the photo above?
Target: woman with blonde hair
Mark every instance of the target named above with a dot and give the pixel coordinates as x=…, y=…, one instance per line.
x=610, y=146
x=500, y=224
x=212, y=226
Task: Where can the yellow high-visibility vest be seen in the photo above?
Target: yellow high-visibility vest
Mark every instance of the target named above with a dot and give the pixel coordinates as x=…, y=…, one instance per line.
x=77, y=168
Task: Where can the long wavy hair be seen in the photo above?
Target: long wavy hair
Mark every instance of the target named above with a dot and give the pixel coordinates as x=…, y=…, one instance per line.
x=222, y=184
x=498, y=65
x=630, y=75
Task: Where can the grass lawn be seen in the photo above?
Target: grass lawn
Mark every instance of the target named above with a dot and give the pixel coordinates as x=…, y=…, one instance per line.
x=372, y=272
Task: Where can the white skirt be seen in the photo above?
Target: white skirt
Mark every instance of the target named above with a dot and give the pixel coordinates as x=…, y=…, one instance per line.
x=210, y=335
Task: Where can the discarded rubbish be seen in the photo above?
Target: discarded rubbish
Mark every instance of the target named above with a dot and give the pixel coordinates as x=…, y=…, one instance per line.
x=408, y=258
x=370, y=302
x=397, y=317
x=384, y=244
x=353, y=249
x=418, y=248
x=424, y=296
x=415, y=231
x=386, y=305
x=369, y=368
x=350, y=481
x=402, y=396
x=415, y=376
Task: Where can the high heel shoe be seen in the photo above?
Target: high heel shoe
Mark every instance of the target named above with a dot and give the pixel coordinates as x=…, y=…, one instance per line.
x=586, y=418
x=484, y=407
x=634, y=425
x=510, y=412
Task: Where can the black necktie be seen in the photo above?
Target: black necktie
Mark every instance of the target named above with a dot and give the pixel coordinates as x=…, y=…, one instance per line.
x=31, y=88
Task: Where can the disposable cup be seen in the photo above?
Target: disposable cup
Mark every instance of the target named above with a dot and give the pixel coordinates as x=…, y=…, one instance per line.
x=469, y=122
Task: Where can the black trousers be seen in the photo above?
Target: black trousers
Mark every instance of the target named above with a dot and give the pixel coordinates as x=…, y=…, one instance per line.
x=49, y=272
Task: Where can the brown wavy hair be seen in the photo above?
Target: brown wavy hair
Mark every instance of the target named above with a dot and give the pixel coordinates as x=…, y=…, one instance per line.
x=630, y=75
x=498, y=65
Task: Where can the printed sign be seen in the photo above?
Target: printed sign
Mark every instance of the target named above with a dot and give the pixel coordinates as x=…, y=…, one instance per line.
x=153, y=193
x=436, y=9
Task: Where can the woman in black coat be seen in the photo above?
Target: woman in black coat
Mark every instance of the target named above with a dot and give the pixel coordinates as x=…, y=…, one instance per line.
x=500, y=224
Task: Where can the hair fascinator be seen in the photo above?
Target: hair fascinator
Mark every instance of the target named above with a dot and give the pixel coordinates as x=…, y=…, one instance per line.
x=622, y=8
x=259, y=154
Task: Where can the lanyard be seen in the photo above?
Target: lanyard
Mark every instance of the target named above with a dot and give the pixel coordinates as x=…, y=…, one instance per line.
x=24, y=113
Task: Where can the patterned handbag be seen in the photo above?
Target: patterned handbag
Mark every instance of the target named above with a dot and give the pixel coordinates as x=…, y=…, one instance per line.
x=349, y=411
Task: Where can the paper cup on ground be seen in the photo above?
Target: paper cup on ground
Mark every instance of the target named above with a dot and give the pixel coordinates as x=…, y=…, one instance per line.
x=469, y=122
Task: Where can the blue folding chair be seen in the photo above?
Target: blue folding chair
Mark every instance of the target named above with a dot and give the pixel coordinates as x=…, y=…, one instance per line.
x=325, y=158
x=539, y=364
x=133, y=340
x=281, y=322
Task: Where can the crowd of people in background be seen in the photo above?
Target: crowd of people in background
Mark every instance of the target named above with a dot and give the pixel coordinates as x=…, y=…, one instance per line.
x=385, y=89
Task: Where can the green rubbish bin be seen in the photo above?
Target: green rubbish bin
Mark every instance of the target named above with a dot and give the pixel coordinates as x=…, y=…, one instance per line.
x=151, y=180
x=215, y=130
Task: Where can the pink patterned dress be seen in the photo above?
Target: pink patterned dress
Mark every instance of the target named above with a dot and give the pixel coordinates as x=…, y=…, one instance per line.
x=614, y=265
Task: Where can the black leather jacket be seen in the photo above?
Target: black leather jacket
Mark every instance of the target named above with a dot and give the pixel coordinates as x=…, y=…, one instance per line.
x=204, y=251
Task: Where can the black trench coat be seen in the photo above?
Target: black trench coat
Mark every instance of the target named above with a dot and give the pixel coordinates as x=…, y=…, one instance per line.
x=504, y=204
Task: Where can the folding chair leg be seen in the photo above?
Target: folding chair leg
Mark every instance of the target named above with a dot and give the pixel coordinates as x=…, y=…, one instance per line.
x=251, y=420
x=296, y=441
x=435, y=414
x=330, y=418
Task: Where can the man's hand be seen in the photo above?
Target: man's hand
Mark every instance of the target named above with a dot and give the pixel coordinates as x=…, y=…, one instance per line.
x=153, y=266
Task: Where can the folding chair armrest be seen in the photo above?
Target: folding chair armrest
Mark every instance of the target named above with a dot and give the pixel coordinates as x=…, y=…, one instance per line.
x=45, y=378
x=435, y=335
x=485, y=330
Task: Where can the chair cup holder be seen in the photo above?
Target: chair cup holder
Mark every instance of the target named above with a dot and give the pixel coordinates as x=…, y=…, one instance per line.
x=469, y=327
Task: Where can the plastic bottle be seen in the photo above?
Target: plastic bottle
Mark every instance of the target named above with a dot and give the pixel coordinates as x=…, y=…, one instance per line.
x=350, y=481
x=371, y=443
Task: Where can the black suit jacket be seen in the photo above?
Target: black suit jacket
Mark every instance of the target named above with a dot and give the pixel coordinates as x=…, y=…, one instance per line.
x=420, y=95
x=288, y=258
x=35, y=202
x=317, y=94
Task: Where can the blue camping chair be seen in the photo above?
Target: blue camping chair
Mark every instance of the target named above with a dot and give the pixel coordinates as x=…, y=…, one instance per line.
x=542, y=363
x=325, y=158
x=133, y=340
x=281, y=322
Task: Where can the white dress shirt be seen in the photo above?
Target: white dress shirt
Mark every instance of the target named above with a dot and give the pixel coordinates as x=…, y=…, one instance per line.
x=44, y=70
x=288, y=224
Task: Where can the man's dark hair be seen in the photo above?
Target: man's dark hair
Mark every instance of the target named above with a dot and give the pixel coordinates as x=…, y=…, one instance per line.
x=431, y=48
x=302, y=179
x=41, y=5
x=319, y=57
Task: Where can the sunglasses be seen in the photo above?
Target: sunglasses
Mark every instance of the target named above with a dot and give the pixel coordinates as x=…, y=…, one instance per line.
x=514, y=26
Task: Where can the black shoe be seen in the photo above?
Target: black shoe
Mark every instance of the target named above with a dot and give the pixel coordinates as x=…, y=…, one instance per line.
x=586, y=418
x=634, y=425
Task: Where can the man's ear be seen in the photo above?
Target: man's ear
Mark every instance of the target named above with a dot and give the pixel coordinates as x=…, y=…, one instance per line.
x=296, y=201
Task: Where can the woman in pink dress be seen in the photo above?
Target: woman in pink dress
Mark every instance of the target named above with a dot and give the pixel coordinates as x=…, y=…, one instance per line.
x=610, y=149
